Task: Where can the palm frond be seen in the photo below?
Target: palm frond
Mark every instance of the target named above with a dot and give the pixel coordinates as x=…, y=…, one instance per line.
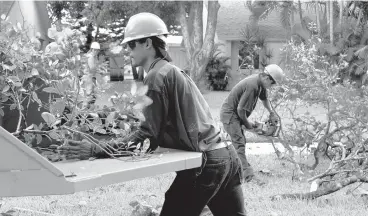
x=271, y=6
x=285, y=18
x=362, y=53
x=312, y=5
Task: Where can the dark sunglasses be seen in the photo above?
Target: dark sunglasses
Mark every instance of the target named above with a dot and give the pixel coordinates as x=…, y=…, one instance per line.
x=271, y=79
x=132, y=44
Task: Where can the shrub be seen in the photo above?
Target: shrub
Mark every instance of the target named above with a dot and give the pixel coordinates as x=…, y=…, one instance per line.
x=217, y=71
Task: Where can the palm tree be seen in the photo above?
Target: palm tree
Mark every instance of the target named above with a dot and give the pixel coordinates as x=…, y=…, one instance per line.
x=261, y=10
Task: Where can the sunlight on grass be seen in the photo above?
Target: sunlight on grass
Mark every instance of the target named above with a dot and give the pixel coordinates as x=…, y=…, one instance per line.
x=114, y=200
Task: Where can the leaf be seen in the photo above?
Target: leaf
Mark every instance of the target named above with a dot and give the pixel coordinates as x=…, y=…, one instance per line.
x=138, y=106
x=57, y=107
x=111, y=117
x=2, y=112
x=14, y=78
x=35, y=97
x=133, y=88
x=13, y=106
x=17, y=84
x=48, y=118
x=39, y=138
x=54, y=135
x=117, y=132
x=34, y=72
x=51, y=33
x=100, y=130
x=6, y=88
x=62, y=86
x=51, y=90
x=55, y=63
x=8, y=67
x=145, y=101
x=126, y=126
x=142, y=90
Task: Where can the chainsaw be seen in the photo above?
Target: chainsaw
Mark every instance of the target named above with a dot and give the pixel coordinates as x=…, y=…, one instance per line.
x=270, y=127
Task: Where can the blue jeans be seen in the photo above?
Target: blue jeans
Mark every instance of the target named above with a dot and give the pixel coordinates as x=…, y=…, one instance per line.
x=234, y=129
x=216, y=184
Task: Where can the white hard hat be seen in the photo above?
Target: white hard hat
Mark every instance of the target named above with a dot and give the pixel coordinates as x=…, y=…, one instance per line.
x=95, y=45
x=144, y=25
x=275, y=72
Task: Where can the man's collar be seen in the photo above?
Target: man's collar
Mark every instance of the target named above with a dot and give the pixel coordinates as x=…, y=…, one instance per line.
x=158, y=65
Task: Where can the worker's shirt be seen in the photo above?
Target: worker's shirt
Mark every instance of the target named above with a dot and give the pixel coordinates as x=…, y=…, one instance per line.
x=243, y=98
x=179, y=116
x=92, y=63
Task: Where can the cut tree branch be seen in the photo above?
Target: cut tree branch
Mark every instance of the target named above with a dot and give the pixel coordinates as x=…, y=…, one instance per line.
x=330, y=188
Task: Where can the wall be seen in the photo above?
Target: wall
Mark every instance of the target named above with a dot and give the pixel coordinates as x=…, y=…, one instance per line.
x=235, y=73
x=238, y=74
x=276, y=47
x=178, y=55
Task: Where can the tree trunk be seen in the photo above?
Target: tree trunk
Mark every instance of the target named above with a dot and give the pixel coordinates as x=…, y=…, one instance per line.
x=197, y=41
x=292, y=18
x=341, y=16
x=198, y=49
x=330, y=188
x=185, y=29
x=331, y=22
x=301, y=19
x=327, y=16
x=317, y=11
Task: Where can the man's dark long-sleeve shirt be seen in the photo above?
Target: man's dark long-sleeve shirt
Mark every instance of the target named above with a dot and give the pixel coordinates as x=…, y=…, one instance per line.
x=243, y=98
x=179, y=116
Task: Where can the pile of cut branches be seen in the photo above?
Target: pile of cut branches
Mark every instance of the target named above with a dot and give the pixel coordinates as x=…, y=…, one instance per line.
x=61, y=72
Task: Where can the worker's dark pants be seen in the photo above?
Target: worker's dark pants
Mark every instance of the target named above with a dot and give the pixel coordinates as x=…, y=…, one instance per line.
x=216, y=184
x=234, y=129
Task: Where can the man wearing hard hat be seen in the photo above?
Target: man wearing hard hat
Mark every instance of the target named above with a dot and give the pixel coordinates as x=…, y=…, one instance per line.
x=240, y=103
x=180, y=118
x=93, y=64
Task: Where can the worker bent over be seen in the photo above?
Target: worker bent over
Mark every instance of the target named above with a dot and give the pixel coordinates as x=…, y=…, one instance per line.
x=240, y=103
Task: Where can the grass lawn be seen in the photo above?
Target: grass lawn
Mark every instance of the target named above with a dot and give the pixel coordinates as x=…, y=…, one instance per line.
x=114, y=200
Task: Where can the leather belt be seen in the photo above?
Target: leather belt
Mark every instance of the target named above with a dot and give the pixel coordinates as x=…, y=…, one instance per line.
x=215, y=146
